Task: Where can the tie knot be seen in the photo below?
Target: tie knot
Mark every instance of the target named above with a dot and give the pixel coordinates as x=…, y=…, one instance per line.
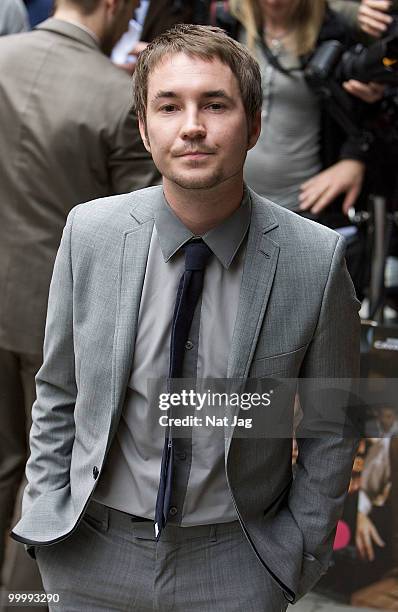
x=197, y=254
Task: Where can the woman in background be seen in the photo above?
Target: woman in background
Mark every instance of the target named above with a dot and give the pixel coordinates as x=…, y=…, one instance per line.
x=298, y=140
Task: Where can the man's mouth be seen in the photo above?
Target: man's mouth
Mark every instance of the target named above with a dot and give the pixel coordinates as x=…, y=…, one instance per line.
x=195, y=154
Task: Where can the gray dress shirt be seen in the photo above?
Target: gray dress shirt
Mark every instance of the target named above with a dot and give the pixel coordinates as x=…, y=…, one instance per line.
x=130, y=479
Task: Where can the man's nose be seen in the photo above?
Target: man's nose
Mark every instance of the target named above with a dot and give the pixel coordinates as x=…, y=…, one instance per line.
x=193, y=126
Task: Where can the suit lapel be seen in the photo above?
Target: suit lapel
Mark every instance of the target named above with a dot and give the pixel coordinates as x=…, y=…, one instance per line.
x=258, y=276
x=134, y=255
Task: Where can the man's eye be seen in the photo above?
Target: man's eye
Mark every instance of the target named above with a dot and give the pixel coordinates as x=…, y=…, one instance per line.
x=168, y=108
x=216, y=106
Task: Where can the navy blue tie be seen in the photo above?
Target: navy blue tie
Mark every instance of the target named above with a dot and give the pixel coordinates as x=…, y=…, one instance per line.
x=190, y=287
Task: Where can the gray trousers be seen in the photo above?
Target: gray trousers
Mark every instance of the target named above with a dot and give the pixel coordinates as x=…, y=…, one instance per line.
x=17, y=394
x=112, y=563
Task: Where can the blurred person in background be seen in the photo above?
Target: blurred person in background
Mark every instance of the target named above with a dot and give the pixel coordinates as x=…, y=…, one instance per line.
x=302, y=161
x=68, y=135
x=39, y=10
x=125, y=52
x=162, y=14
x=159, y=16
x=13, y=17
x=375, y=18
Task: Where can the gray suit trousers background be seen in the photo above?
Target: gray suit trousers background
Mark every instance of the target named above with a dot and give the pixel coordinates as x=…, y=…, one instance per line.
x=111, y=563
x=17, y=394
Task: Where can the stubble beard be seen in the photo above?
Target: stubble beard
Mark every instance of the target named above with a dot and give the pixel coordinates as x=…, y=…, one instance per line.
x=200, y=182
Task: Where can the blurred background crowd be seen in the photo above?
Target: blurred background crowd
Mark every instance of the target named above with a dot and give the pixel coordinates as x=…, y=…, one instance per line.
x=328, y=150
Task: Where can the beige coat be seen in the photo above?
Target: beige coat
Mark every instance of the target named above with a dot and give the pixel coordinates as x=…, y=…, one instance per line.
x=67, y=136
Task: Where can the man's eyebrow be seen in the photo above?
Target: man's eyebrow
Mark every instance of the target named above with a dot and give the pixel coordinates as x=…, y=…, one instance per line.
x=215, y=93
x=165, y=94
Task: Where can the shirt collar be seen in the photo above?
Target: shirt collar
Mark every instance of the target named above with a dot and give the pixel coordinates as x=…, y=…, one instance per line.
x=223, y=240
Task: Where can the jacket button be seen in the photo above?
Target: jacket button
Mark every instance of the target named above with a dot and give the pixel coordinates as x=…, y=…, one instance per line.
x=173, y=511
x=95, y=472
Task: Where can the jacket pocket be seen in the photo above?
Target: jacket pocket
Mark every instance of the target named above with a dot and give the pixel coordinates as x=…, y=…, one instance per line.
x=284, y=364
x=97, y=516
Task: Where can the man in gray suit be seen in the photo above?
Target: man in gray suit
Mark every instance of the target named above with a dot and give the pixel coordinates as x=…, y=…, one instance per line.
x=68, y=134
x=233, y=530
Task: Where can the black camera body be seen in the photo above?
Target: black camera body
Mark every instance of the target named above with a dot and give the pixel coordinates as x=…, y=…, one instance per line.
x=332, y=64
x=378, y=62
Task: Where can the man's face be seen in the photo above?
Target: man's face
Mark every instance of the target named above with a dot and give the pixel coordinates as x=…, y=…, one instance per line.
x=197, y=129
x=118, y=24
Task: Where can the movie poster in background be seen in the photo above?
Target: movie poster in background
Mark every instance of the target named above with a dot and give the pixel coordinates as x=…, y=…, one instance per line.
x=364, y=570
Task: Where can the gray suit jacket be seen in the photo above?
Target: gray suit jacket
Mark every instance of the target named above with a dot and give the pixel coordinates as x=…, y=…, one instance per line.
x=67, y=136
x=297, y=314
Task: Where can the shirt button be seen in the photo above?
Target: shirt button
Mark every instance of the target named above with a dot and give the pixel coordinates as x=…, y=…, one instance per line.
x=173, y=511
x=95, y=472
x=182, y=455
x=189, y=345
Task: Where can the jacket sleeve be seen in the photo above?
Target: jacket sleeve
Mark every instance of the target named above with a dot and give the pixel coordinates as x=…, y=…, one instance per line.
x=325, y=459
x=53, y=427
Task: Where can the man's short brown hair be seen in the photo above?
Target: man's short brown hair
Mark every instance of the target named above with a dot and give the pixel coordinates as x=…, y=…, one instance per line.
x=207, y=43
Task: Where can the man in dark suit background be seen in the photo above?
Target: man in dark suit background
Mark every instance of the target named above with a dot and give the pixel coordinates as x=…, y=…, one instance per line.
x=68, y=135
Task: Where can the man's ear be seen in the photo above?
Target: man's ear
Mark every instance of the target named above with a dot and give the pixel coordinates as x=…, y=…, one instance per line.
x=254, y=131
x=144, y=134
